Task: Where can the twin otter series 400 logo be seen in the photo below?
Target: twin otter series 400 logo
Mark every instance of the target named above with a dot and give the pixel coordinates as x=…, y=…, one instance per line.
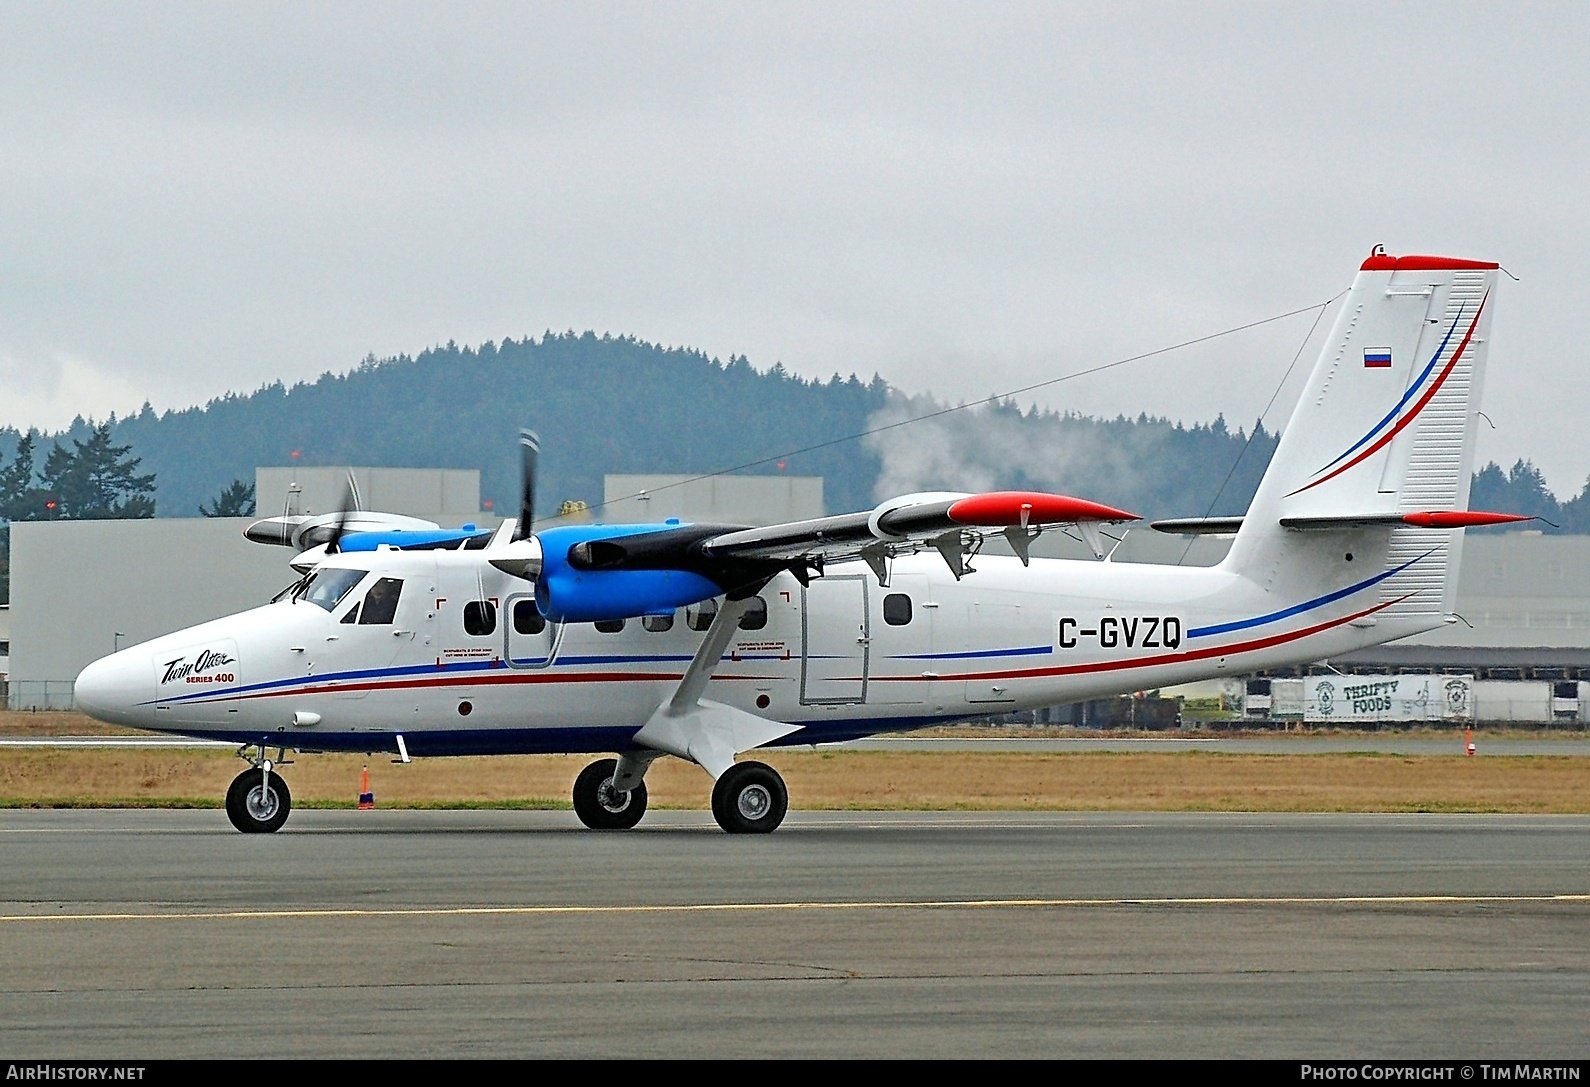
x=210, y=664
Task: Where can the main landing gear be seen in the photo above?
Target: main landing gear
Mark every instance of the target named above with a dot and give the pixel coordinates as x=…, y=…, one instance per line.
x=748, y=798
x=258, y=800
x=602, y=807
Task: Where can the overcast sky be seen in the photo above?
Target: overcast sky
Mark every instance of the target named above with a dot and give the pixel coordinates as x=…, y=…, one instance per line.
x=963, y=198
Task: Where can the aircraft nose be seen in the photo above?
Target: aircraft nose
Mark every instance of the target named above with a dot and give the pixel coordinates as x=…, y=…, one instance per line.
x=116, y=688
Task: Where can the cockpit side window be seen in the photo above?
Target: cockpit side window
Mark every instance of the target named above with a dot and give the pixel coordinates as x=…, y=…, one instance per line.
x=327, y=588
x=352, y=616
x=380, y=603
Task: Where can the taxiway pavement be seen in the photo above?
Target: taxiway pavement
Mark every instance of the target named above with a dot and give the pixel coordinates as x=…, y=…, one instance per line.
x=128, y=934
x=1383, y=743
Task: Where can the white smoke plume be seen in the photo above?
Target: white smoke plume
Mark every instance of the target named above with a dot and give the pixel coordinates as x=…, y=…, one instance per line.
x=1152, y=466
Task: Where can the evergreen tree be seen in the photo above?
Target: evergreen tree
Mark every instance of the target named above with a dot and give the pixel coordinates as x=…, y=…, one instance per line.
x=236, y=501
x=1520, y=490
x=97, y=481
x=20, y=500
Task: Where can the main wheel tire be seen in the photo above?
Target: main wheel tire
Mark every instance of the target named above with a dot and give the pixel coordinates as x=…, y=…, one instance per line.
x=598, y=806
x=258, y=802
x=750, y=798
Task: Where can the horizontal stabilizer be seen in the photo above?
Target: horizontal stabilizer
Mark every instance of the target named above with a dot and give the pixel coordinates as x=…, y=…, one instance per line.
x=1422, y=519
x=1198, y=526
x=1225, y=526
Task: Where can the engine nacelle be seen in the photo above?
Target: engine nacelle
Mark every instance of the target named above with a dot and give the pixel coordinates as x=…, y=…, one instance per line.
x=566, y=593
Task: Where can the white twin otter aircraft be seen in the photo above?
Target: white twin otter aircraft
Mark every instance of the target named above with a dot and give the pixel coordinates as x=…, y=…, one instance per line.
x=409, y=639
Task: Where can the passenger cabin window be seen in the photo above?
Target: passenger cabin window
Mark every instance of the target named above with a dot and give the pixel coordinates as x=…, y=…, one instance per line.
x=755, y=617
x=527, y=618
x=609, y=626
x=327, y=588
x=700, y=616
x=480, y=618
x=380, y=603
x=897, y=609
x=657, y=623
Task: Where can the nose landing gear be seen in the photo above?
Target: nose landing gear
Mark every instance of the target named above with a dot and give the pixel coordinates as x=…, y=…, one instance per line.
x=258, y=801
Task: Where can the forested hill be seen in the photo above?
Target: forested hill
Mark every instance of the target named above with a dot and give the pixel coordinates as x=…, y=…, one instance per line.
x=616, y=404
x=600, y=404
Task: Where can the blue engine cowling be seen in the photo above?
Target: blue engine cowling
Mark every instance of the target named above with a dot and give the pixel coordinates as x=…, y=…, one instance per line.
x=565, y=594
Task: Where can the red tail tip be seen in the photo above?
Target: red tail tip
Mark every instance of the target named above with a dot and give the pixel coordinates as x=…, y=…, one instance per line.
x=1461, y=518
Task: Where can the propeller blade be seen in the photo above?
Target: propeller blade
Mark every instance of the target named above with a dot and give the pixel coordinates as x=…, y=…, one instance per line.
x=529, y=454
x=350, y=506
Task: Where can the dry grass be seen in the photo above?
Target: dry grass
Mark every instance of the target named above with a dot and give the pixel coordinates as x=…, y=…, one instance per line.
x=59, y=723
x=1091, y=781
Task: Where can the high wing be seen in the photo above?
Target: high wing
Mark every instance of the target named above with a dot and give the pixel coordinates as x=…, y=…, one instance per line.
x=952, y=523
x=589, y=572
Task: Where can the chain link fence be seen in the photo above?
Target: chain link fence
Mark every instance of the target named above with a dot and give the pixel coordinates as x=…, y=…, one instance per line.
x=40, y=694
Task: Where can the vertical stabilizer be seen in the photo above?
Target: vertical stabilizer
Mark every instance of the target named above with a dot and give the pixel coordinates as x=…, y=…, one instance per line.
x=1385, y=426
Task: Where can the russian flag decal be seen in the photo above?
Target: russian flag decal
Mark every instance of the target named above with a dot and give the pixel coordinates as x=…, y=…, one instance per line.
x=1377, y=358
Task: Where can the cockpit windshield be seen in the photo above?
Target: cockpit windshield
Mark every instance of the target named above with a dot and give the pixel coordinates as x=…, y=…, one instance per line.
x=326, y=588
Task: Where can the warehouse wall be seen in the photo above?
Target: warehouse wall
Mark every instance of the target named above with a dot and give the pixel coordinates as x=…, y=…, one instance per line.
x=76, y=584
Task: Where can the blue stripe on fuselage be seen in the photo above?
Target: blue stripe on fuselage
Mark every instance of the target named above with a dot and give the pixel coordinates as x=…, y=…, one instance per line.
x=1307, y=605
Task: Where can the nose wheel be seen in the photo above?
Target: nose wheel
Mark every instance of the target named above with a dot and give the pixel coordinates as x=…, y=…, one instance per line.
x=749, y=798
x=599, y=805
x=258, y=801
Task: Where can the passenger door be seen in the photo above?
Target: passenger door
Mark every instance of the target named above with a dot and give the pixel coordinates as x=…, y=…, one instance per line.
x=902, y=661
x=835, y=647
x=993, y=626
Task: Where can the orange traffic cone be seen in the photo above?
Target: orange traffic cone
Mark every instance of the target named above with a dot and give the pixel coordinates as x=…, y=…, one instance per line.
x=1468, y=740
x=366, y=797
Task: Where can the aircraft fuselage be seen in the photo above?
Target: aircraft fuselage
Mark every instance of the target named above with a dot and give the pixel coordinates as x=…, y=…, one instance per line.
x=842, y=657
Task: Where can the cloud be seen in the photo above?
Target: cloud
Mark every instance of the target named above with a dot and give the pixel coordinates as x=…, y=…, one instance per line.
x=205, y=198
x=49, y=391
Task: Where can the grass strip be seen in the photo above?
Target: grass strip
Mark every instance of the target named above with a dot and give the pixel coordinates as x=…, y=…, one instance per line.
x=844, y=780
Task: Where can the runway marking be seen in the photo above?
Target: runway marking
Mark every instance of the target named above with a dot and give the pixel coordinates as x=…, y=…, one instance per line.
x=796, y=907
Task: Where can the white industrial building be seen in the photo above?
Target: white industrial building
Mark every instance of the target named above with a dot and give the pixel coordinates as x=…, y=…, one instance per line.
x=746, y=500
x=448, y=496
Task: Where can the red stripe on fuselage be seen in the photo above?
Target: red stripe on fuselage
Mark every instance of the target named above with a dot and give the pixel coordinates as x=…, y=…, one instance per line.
x=498, y=678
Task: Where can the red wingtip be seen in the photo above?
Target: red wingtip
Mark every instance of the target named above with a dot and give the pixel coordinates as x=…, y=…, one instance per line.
x=1461, y=518
x=1381, y=262
x=999, y=508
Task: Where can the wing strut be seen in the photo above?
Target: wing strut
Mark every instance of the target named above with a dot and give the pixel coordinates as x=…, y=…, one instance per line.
x=691, y=727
